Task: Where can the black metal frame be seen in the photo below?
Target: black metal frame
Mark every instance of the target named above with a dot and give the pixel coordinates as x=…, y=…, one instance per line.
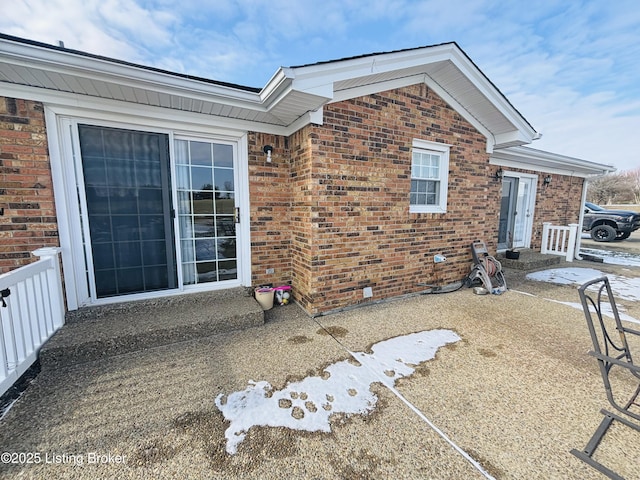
x=609, y=353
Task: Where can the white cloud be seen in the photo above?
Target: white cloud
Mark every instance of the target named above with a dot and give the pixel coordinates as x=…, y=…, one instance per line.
x=571, y=68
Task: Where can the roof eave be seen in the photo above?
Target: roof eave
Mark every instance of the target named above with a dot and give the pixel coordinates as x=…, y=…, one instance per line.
x=540, y=160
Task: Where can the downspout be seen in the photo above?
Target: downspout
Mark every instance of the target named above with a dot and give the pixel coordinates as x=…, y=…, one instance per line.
x=585, y=184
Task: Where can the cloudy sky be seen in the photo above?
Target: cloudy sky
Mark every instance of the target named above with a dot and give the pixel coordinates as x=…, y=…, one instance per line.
x=571, y=68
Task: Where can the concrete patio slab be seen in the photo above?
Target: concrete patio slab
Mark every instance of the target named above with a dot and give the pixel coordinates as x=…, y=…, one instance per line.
x=516, y=393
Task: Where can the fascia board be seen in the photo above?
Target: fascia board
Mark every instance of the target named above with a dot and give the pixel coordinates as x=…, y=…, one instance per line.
x=512, y=138
x=312, y=76
x=462, y=62
x=442, y=93
x=103, y=70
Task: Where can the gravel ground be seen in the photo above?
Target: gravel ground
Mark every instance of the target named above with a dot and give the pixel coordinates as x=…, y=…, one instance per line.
x=516, y=393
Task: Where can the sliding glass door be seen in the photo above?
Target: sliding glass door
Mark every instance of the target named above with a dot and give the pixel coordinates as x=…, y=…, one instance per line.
x=154, y=211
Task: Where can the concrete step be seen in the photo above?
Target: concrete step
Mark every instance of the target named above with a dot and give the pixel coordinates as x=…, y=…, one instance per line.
x=529, y=260
x=95, y=332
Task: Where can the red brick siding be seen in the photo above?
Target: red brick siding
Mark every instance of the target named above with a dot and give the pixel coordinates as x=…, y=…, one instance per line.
x=26, y=193
x=363, y=233
x=558, y=203
x=270, y=198
x=304, y=250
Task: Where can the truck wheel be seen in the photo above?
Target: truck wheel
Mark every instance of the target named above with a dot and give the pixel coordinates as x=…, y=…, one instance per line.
x=622, y=236
x=603, y=233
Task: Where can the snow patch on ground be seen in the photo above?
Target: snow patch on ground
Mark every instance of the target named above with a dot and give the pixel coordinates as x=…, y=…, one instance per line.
x=624, y=287
x=343, y=387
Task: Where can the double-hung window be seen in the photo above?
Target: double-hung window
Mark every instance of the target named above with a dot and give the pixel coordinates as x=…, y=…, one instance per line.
x=429, y=177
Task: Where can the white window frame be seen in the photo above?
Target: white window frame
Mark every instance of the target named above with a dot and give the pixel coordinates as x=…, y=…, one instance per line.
x=442, y=150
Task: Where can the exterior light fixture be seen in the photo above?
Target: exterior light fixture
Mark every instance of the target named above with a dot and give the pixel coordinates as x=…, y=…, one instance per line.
x=268, y=149
x=547, y=180
x=499, y=173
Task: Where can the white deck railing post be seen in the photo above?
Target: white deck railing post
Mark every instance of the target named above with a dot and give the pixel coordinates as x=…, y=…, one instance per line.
x=573, y=236
x=558, y=240
x=545, y=237
x=34, y=311
x=54, y=282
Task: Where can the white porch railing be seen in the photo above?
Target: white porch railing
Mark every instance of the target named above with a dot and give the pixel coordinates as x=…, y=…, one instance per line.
x=559, y=240
x=34, y=311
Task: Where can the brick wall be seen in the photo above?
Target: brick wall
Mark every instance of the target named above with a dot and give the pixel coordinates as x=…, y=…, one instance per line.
x=558, y=203
x=26, y=192
x=362, y=233
x=270, y=197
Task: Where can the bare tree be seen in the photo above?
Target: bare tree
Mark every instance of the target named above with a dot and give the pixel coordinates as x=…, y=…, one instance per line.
x=633, y=177
x=610, y=189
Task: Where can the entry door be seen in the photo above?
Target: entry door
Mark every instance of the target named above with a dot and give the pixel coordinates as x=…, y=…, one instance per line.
x=516, y=211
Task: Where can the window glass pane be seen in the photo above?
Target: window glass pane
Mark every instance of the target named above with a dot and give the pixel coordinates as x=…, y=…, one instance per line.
x=225, y=226
x=98, y=200
x=226, y=248
x=202, y=178
x=152, y=227
x=117, y=144
x=181, y=151
x=186, y=229
x=425, y=165
x=121, y=173
x=184, y=202
x=103, y=257
x=189, y=273
x=222, y=155
x=227, y=270
x=94, y=171
x=129, y=280
x=188, y=251
x=154, y=252
x=207, y=272
x=226, y=204
x=155, y=278
x=205, y=249
x=100, y=228
x=125, y=228
x=127, y=254
x=147, y=176
x=203, y=226
x=182, y=178
x=203, y=203
x=223, y=180
x=150, y=200
x=201, y=153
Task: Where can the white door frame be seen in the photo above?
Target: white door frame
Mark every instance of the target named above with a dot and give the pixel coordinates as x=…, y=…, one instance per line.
x=530, y=204
x=64, y=154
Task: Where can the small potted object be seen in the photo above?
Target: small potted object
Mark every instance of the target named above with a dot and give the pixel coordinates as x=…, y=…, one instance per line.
x=512, y=253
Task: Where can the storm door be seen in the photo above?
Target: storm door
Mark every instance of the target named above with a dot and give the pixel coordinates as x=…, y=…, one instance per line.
x=516, y=211
x=127, y=185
